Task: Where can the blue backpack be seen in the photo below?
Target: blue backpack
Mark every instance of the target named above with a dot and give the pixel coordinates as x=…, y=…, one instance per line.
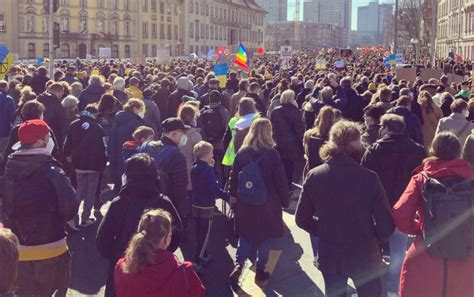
x=252, y=190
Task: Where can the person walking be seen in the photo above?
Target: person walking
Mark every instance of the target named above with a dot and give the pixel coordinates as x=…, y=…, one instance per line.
x=424, y=273
x=431, y=114
x=288, y=132
x=140, y=192
x=457, y=122
x=394, y=157
x=7, y=116
x=350, y=220
x=258, y=220
x=39, y=199
x=92, y=93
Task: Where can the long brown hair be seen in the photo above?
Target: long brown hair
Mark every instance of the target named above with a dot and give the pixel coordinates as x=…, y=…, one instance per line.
x=445, y=146
x=426, y=102
x=341, y=136
x=154, y=226
x=322, y=124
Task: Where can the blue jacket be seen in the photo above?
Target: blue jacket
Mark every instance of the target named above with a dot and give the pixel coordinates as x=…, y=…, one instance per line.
x=122, y=129
x=7, y=114
x=205, y=185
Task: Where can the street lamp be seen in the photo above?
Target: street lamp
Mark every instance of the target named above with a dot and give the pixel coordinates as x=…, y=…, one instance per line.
x=415, y=42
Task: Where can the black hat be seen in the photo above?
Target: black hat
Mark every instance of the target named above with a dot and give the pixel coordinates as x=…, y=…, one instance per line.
x=173, y=124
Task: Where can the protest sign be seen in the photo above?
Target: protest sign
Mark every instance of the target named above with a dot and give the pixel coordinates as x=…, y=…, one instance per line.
x=427, y=74
x=105, y=53
x=406, y=73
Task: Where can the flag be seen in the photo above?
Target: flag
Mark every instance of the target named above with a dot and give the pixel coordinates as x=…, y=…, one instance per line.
x=241, y=58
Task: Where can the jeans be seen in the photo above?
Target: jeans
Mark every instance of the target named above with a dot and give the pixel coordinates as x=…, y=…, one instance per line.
x=247, y=247
x=87, y=183
x=336, y=286
x=398, y=248
x=314, y=244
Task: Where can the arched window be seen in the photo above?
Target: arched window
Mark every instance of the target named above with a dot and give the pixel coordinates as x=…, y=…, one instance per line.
x=31, y=51
x=115, y=51
x=65, y=51
x=127, y=25
x=83, y=22
x=83, y=3
x=30, y=23
x=114, y=24
x=127, y=51
x=64, y=20
x=100, y=23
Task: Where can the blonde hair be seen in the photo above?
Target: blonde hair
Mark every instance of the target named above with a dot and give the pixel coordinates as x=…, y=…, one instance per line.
x=288, y=97
x=201, y=149
x=341, y=135
x=9, y=256
x=322, y=125
x=133, y=103
x=143, y=132
x=154, y=226
x=259, y=136
x=426, y=101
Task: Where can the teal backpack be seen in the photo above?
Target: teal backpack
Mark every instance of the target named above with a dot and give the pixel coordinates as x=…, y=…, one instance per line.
x=252, y=190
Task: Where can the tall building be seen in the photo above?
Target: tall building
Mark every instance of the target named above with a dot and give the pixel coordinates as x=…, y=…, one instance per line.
x=371, y=21
x=333, y=12
x=455, y=31
x=131, y=28
x=277, y=10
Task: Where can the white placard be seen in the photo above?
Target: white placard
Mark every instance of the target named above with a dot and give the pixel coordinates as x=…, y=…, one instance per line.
x=105, y=53
x=163, y=54
x=286, y=51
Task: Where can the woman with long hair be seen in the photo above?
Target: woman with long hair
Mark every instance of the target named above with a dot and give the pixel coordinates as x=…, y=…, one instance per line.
x=345, y=205
x=288, y=131
x=431, y=115
x=149, y=267
x=424, y=274
x=256, y=225
x=317, y=136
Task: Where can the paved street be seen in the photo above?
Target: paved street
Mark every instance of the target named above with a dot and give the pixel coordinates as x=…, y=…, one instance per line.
x=291, y=263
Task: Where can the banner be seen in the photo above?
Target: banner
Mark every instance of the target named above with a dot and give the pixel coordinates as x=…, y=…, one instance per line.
x=286, y=51
x=163, y=55
x=427, y=74
x=105, y=53
x=321, y=64
x=406, y=73
x=220, y=71
x=340, y=64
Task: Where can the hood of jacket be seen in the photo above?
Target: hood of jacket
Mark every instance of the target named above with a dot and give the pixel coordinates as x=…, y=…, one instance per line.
x=94, y=90
x=48, y=98
x=446, y=168
x=401, y=111
x=21, y=166
x=245, y=121
x=123, y=117
x=395, y=142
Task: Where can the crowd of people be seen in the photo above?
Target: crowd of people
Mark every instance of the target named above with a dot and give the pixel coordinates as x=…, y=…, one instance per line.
x=387, y=195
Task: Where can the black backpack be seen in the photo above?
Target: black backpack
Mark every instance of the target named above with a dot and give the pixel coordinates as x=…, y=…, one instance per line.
x=448, y=217
x=213, y=126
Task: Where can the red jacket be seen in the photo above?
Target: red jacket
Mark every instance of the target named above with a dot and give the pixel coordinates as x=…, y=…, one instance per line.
x=422, y=275
x=165, y=278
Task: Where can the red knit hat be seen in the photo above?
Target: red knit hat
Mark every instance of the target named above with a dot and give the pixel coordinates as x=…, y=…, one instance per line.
x=30, y=131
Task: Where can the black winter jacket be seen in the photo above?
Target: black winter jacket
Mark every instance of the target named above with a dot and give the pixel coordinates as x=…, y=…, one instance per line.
x=174, y=166
x=393, y=158
x=176, y=98
x=85, y=144
x=353, y=216
x=55, y=115
x=91, y=94
x=288, y=131
x=413, y=124
x=39, y=198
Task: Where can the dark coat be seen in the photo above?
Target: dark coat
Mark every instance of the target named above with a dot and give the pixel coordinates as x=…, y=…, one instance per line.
x=85, y=144
x=70, y=79
x=314, y=146
x=124, y=125
x=121, y=96
x=55, y=115
x=288, y=131
x=393, y=158
x=370, y=135
x=161, y=99
x=176, y=98
x=38, y=83
x=121, y=222
x=351, y=219
x=39, y=199
x=91, y=94
x=206, y=188
x=7, y=114
x=354, y=107
x=301, y=97
x=265, y=221
x=258, y=103
x=412, y=122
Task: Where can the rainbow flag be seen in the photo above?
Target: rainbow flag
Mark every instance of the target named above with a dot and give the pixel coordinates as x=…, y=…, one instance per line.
x=241, y=58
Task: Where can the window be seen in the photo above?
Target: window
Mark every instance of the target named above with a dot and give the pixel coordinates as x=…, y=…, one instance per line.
x=212, y=32
x=83, y=23
x=144, y=5
x=31, y=51
x=191, y=29
x=115, y=26
x=145, y=50
x=64, y=2
x=162, y=8
x=207, y=9
x=191, y=7
x=65, y=51
x=154, y=50
x=115, y=6
x=100, y=3
x=127, y=28
x=126, y=6
x=191, y=49
x=30, y=23
x=3, y=26
x=83, y=3
x=115, y=51
x=197, y=7
x=162, y=31
x=169, y=35
x=100, y=25
x=176, y=37
x=145, y=30
x=45, y=49
x=154, y=30
x=154, y=5
x=127, y=51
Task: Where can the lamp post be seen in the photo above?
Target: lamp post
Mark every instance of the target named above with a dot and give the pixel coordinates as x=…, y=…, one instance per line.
x=415, y=42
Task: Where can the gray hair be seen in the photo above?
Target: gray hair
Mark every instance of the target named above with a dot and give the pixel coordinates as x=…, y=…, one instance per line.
x=70, y=102
x=327, y=93
x=119, y=83
x=95, y=80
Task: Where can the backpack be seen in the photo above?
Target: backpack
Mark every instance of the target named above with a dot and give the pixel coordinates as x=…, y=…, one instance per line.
x=160, y=154
x=251, y=189
x=213, y=125
x=448, y=217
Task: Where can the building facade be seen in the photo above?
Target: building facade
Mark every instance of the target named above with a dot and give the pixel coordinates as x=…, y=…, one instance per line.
x=296, y=35
x=131, y=28
x=371, y=22
x=277, y=10
x=334, y=12
x=455, y=31
x=210, y=24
